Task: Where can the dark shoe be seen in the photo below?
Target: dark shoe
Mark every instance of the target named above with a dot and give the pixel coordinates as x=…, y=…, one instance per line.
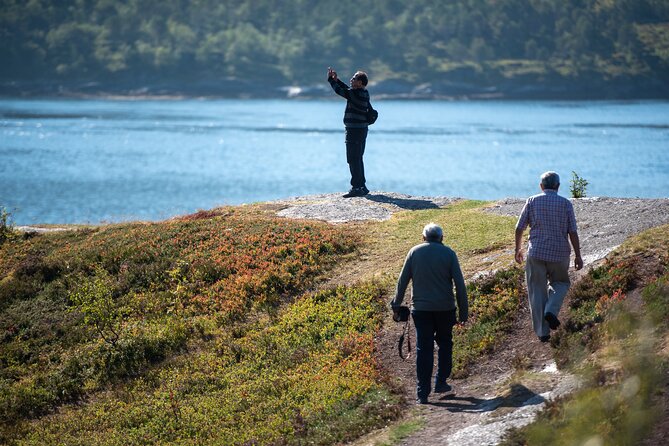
x=364, y=190
x=421, y=400
x=545, y=338
x=354, y=192
x=442, y=388
x=552, y=320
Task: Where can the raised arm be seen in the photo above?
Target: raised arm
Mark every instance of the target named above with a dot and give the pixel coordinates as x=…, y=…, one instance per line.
x=337, y=85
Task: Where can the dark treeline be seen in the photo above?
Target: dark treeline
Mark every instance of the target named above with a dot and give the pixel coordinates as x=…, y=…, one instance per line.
x=291, y=42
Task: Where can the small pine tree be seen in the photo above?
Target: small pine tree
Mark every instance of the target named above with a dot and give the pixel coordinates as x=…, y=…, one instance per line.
x=578, y=185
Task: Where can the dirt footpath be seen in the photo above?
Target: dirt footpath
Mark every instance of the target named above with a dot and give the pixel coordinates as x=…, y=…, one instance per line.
x=491, y=400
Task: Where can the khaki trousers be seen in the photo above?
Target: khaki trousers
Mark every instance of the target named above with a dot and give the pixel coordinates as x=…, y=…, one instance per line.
x=547, y=286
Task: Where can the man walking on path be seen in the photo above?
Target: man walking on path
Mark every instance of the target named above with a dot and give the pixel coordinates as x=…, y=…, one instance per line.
x=355, y=120
x=433, y=269
x=552, y=225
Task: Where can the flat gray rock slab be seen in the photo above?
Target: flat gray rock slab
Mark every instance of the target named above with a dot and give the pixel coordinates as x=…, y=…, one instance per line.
x=378, y=206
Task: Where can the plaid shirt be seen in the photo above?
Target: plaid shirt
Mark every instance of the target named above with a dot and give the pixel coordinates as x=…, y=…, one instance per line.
x=551, y=219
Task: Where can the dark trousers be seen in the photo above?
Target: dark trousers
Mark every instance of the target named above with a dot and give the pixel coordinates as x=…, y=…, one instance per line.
x=355, y=148
x=433, y=326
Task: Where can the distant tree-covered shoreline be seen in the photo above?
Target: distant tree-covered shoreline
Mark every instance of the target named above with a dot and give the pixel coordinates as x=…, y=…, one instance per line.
x=455, y=46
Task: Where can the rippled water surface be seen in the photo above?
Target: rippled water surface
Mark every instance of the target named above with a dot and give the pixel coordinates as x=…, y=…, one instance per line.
x=78, y=161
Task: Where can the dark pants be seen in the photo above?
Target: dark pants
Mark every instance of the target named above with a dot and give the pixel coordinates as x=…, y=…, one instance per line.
x=355, y=148
x=433, y=326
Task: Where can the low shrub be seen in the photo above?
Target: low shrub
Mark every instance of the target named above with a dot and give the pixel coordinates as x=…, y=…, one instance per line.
x=656, y=298
x=617, y=404
x=306, y=376
x=589, y=302
x=85, y=310
x=494, y=300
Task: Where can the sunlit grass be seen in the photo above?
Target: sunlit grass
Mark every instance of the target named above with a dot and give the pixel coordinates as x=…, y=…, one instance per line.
x=469, y=231
x=402, y=431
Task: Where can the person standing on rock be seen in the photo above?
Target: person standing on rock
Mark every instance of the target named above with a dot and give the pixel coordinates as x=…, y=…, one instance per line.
x=552, y=226
x=355, y=121
x=434, y=270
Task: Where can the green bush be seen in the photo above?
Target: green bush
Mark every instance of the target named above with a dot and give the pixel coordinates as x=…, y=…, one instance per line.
x=94, y=298
x=578, y=186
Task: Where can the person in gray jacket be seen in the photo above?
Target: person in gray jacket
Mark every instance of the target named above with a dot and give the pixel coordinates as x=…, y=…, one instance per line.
x=434, y=270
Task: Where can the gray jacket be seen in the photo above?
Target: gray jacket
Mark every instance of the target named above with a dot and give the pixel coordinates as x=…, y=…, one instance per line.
x=433, y=269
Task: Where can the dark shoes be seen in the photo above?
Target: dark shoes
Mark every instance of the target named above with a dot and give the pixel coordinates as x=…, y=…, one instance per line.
x=356, y=192
x=442, y=388
x=553, y=321
x=421, y=400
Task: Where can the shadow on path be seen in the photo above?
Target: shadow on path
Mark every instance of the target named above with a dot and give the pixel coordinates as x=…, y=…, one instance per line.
x=518, y=396
x=404, y=203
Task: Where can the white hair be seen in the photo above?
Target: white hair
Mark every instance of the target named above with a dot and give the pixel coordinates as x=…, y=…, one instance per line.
x=432, y=232
x=550, y=180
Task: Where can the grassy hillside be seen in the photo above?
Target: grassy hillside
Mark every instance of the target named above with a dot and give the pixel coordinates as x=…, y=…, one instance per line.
x=232, y=326
x=210, y=328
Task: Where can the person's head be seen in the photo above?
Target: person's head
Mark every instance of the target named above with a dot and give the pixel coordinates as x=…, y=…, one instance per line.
x=550, y=180
x=359, y=80
x=432, y=233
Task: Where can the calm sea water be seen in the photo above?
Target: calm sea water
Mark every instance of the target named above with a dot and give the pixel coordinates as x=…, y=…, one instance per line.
x=79, y=161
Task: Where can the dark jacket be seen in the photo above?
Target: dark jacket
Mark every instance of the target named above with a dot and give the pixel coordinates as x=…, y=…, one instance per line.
x=357, y=102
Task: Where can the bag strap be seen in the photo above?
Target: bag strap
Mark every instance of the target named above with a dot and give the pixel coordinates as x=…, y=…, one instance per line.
x=406, y=335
